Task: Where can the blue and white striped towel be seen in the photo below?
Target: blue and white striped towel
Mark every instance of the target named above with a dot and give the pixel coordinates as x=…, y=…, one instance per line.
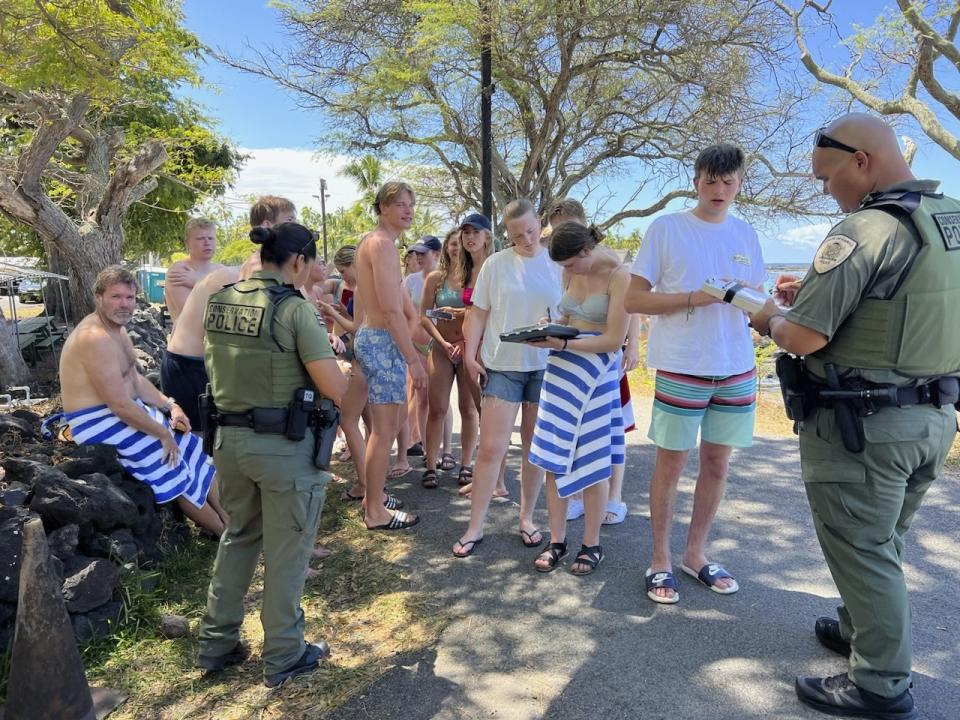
x=579, y=431
x=142, y=455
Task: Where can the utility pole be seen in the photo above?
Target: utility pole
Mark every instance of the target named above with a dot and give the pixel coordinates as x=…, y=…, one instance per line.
x=323, y=215
x=486, y=96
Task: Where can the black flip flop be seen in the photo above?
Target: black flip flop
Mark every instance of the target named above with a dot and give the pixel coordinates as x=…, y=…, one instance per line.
x=467, y=553
x=527, y=539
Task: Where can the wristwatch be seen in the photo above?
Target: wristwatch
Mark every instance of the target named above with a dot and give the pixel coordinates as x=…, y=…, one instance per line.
x=168, y=407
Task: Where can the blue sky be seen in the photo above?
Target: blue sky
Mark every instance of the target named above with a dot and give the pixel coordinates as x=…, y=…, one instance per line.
x=266, y=122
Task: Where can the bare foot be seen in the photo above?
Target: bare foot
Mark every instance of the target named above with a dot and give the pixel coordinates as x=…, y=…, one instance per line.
x=320, y=552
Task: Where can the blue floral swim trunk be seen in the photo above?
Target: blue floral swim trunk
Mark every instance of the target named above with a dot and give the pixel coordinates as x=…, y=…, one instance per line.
x=383, y=364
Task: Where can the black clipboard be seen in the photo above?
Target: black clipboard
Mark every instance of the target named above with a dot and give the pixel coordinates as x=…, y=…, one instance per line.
x=540, y=331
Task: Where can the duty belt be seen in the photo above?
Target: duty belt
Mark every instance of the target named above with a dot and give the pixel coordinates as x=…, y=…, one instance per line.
x=260, y=420
x=940, y=392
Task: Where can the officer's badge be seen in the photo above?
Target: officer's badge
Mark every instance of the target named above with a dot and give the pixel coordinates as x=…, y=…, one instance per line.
x=832, y=252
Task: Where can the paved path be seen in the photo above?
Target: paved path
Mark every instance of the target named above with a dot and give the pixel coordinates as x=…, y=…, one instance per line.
x=525, y=645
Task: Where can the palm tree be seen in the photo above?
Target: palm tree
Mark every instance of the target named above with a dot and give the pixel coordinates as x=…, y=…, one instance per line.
x=367, y=174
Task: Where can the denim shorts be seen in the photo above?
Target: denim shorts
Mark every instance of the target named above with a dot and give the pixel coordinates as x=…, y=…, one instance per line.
x=382, y=364
x=513, y=385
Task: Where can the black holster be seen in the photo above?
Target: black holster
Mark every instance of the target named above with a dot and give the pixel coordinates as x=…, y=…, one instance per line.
x=325, y=433
x=208, y=420
x=845, y=413
x=795, y=388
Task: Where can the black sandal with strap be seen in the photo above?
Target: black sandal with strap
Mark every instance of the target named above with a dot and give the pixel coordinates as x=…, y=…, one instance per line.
x=429, y=479
x=466, y=475
x=555, y=552
x=590, y=556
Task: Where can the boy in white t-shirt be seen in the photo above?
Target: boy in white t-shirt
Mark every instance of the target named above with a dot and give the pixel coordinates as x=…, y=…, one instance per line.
x=702, y=350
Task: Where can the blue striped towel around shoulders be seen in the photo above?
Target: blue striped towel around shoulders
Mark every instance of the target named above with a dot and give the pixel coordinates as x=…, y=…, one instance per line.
x=142, y=455
x=579, y=430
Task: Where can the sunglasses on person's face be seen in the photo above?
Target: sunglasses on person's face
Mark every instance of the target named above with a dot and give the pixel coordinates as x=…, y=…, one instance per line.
x=822, y=140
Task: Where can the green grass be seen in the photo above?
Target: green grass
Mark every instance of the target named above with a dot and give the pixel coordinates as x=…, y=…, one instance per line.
x=361, y=602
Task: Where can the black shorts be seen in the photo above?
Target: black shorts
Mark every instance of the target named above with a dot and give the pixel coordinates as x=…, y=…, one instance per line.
x=184, y=378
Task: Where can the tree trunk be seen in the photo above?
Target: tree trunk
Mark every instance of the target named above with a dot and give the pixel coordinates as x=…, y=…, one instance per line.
x=86, y=257
x=13, y=370
x=56, y=293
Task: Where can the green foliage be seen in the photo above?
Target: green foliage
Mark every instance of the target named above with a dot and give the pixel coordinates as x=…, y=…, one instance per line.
x=94, y=46
x=129, y=58
x=586, y=91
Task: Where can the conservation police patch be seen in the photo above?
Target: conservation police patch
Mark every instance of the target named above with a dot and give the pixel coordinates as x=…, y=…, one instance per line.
x=234, y=319
x=949, y=226
x=832, y=252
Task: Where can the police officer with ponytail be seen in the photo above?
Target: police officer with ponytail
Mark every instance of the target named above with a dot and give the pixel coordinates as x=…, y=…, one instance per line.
x=271, y=371
x=875, y=321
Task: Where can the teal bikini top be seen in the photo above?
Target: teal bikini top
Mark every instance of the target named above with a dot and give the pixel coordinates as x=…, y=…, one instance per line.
x=447, y=297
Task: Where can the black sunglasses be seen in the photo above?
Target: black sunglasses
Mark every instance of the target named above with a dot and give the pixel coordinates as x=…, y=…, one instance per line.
x=822, y=140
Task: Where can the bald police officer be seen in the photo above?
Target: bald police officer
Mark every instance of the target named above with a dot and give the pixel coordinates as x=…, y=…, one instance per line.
x=267, y=355
x=875, y=320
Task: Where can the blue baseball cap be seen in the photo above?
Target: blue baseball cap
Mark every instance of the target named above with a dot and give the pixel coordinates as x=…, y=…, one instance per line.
x=480, y=222
x=427, y=243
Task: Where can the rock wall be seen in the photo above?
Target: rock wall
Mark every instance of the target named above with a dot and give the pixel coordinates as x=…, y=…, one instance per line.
x=101, y=523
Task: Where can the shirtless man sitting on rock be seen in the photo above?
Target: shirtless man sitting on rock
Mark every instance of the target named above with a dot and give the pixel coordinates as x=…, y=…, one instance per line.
x=107, y=401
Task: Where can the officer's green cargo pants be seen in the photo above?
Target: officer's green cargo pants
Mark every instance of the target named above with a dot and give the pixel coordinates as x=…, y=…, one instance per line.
x=863, y=504
x=274, y=496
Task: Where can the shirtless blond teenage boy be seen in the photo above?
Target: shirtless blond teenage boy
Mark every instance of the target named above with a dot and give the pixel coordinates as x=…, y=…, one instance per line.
x=200, y=239
x=106, y=401
x=384, y=345
x=182, y=374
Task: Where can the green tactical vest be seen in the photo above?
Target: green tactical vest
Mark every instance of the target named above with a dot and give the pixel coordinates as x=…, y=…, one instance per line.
x=246, y=364
x=914, y=332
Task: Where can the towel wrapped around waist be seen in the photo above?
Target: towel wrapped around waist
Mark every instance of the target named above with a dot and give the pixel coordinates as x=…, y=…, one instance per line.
x=579, y=430
x=142, y=455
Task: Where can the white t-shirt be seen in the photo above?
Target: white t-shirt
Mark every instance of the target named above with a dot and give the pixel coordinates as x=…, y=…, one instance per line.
x=515, y=291
x=678, y=253
x=414, y=286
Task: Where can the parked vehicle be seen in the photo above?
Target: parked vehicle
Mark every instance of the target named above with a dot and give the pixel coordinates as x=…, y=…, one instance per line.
x=9, y=285
x=31, y=290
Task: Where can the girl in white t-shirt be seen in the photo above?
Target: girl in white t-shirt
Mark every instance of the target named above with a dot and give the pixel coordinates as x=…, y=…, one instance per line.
x=515, y=287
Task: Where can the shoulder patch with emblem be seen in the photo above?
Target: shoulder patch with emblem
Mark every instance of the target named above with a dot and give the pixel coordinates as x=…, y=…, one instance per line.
x=833, y=251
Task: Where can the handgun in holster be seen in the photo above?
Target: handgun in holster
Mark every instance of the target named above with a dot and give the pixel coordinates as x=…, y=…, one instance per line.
x=845, y=413
x=208, y=420
x=795, y=388
x=325, y=433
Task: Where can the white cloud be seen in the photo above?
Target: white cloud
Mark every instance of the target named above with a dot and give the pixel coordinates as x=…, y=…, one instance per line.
x=805, y=236
x=292, y=173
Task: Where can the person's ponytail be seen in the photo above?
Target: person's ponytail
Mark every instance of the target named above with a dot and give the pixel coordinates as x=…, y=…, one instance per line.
x=280, y=243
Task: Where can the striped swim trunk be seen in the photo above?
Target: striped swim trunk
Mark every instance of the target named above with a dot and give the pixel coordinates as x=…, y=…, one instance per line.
x=722, y=409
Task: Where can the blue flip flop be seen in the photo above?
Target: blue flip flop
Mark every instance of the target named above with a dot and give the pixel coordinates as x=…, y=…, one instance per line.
x=661, y=579
x=709, y=574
